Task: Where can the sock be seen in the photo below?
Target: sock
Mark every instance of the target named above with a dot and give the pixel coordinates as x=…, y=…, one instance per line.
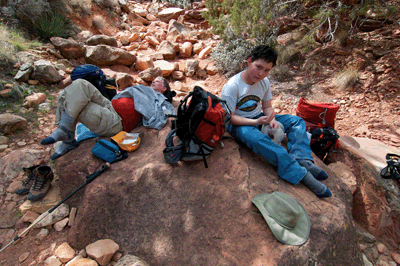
x=317, y=172
x=64, y=148
x=315, y=186
x=64, y=132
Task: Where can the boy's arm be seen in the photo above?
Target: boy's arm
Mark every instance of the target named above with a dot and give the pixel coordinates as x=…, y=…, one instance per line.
x=269, y=114
x=268, y=111
x=268, y=117
x=242, y=121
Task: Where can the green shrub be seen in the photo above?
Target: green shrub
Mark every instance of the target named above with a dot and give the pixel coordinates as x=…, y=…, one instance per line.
x=252, y=19
x=52, y=24
x=348, y=78
x=230, y=57
x=7, y=49
x=231, y=54
x=11, y=42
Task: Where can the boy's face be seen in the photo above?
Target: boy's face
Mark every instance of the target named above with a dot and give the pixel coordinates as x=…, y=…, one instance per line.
x=259, y=69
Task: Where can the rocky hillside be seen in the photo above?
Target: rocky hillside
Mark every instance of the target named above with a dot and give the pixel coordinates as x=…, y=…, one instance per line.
x=135, y=41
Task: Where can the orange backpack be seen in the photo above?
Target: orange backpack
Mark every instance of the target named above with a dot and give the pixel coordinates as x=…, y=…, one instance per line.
x=199, y=125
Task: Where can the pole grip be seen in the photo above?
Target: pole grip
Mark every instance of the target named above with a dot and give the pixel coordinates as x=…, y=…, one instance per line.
x=92, y=176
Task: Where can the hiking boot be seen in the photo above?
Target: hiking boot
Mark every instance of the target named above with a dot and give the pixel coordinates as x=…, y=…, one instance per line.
x=41, y=184
x=28, y=182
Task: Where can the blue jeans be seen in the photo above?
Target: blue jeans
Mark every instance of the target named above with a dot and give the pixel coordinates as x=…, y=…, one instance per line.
x=285, y=160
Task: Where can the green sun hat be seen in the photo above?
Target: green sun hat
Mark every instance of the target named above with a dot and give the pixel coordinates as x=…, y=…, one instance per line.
x=285, y=216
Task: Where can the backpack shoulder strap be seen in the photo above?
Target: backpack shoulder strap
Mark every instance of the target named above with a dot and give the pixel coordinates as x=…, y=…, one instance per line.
x=172, y=154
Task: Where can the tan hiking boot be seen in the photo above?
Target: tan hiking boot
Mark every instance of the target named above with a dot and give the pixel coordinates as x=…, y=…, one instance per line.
x=28, y=182
x=43, y=177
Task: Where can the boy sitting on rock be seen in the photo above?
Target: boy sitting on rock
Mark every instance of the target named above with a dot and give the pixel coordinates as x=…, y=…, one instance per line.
x=248, y=95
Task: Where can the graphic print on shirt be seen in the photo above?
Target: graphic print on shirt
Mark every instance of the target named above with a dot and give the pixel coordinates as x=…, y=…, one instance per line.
x=248, y=103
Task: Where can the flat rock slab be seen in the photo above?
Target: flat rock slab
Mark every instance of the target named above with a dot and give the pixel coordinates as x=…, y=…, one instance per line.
x=187, y=214
x=373, y=151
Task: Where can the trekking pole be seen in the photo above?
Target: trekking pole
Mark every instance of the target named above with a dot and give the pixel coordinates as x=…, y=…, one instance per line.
x=89, y=179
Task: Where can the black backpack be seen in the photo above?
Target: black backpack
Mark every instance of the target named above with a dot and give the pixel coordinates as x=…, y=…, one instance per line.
x=322, y=140
x=200, y=123
x=95, y=75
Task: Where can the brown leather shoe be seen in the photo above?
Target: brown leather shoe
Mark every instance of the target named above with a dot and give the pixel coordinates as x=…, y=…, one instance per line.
x=28, y=182
x=44, y=176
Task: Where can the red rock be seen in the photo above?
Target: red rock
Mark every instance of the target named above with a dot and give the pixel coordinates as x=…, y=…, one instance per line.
x=189, y=206
x=396, y=257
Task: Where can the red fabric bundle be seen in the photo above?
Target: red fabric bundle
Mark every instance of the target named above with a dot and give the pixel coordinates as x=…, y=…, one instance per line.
x=317, y=114
x=125, y=107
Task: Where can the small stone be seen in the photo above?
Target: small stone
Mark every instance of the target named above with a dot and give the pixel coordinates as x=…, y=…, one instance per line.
x=5, y=93
x=13, y=186
x=85, y=262
x=71, y=262
x=59, y=226
x=23, y=257
x=53, y=261
x=33, y=82
x=43, y=233
x=206, y=51
x=382, y=248
x=3, y=140
x=382, y=263
x=3, y=147
x=396, y=257
x=72, y=215
x=366, y=261
x=21, y=143
x=131, y=260
x=178, y=75
x=44, y=107
x=102, y=250
x=65, y=253
x=117, y=256
x=82, y=253
x=29, y=217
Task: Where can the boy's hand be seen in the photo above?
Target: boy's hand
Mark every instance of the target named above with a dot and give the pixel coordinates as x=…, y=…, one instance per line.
x=266, y=119
x=274, y=124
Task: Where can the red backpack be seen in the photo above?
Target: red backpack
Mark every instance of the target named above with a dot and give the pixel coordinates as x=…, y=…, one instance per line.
x=199, y=125
x=317, y=114
x=320, y=122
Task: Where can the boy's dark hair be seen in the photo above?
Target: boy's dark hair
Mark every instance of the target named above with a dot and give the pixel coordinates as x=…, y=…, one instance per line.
x=264, y=52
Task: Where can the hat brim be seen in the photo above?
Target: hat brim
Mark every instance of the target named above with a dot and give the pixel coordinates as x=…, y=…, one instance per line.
x=296, y=236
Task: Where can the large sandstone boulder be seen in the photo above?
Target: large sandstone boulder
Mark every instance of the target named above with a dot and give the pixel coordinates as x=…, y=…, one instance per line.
x=101, y=39
x=9, y=123
x=70, y=49
x=101, y=55
x=45, y=72
x=24, y=72
x=187, y=214
x=376, y=203
x=11, y=164
x=170, y=13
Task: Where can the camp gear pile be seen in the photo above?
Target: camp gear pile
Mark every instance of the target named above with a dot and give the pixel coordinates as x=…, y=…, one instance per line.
x=200, y=123
x=320, y=122
x=322, y=140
